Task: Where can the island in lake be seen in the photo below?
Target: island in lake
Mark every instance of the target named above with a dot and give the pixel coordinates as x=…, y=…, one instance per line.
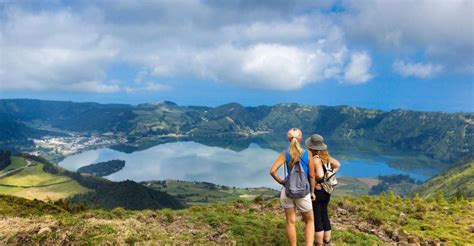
x=102, y=169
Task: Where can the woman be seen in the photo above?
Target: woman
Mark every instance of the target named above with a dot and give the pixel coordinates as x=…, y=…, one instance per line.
x=290, y=158
x=321, y=156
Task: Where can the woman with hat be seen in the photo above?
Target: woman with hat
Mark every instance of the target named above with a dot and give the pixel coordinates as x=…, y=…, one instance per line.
x=293, y=156
x=321, y=156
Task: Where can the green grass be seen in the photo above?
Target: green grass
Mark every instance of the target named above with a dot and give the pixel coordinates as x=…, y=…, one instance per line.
x=32, y=176
x=16, y=162
x=454, y=182
x=349, y=186
x=199, y=193
x=33, y=183
x=427, y=220
x=243, y=222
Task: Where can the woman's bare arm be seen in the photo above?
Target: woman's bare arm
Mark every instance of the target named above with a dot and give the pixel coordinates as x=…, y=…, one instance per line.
x=318, y=166
x=276, y=165
x=335, y=164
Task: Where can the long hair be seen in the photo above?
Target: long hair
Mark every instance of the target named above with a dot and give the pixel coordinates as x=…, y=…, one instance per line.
x=323, y=155
x=294, y=151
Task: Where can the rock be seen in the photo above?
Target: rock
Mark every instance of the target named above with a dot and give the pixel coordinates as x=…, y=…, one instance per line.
x=412, y=239
x=44, y=230
x=341, y=211
x=87, y=216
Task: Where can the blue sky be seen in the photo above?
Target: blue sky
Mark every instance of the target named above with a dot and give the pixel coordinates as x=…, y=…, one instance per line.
x=356, y=53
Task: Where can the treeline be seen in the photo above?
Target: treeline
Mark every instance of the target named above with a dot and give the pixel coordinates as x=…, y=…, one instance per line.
x=5, y=158
x=398, y=183
x=108, y=195
x=102, y=169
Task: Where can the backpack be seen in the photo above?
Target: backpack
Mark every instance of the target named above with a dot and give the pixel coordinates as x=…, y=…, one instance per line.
x=329, y=181
x=297, y=184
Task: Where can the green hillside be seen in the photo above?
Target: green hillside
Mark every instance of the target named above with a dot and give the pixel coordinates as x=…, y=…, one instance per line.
x=199, y=193
x=356, y=221
x=27, y=179
x=457, y=181
x=34, y=178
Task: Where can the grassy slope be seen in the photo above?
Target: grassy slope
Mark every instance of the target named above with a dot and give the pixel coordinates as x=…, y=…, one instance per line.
x=16, y=162
x=353, y=186
x=355, y=221
x=194, y=193
x=455, y=180
x=33, y=183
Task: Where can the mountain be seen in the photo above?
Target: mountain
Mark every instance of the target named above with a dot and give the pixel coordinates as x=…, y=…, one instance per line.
x=454, y=182
x=442, y=136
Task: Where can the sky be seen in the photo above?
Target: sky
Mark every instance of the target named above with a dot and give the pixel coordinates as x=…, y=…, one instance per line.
x=375, y=54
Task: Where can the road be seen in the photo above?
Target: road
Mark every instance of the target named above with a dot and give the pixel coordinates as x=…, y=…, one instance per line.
x=28, y=163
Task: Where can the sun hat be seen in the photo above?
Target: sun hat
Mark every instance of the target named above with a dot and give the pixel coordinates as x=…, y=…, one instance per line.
x=295, y=133
x=316, y=142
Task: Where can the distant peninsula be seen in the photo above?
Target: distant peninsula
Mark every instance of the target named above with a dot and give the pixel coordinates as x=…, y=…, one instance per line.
x=102, y=169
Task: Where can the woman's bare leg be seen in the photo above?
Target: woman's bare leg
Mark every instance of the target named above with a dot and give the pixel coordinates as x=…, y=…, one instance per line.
x=327, y=236
x=319, y=237
x=291, y=225
x=308, y=218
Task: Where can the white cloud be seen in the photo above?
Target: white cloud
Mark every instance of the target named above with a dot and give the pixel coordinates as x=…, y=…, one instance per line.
x=441, y=30
x=357, y=71
x=420, y=70
x=54, y=51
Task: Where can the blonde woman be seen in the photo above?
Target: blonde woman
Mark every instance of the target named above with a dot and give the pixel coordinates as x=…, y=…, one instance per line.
x=296, y=157
x=321, y=156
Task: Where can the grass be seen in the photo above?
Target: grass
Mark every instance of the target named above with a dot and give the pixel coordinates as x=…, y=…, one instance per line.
x=200, y=193
x=16, y=162
x=443, y=220
x=243, y=222
x=33, y=183
x=349, y=186
x=454, y=181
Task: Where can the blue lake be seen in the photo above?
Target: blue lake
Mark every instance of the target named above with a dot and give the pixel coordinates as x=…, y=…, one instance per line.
x=250, y=167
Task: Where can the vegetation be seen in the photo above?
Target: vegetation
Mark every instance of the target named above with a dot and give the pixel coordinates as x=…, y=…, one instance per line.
x=107, y=194
x=199, y=193
x=443, y=136
x=4, y=158
x=102, y=169
x=366, y=220
x=455, y=182
x=349, y=186
x=400, y=184
x=129, y=195
x=32, y=183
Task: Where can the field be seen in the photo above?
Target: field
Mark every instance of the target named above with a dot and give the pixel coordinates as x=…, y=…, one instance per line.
x=198, y=193
x=17, y=162
x=32, y=183
x=349, y=186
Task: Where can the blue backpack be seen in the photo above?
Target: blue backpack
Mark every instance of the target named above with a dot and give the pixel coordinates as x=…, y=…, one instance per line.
x=297, y=184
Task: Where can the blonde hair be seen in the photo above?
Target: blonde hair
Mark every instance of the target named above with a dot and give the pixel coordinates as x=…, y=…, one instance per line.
x=323, y=155
x=294, y=151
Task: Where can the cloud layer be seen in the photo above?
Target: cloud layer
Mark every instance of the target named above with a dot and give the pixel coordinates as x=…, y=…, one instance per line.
x=277, y=46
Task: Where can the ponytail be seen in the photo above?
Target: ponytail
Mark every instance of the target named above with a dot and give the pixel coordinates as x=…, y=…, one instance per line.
x=294, y=151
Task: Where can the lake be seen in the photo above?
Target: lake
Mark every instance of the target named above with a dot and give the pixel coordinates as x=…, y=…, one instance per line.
x=191, y=161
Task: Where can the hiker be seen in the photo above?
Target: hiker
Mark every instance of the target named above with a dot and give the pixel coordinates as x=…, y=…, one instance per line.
x=323, y=188
x=298, y=185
